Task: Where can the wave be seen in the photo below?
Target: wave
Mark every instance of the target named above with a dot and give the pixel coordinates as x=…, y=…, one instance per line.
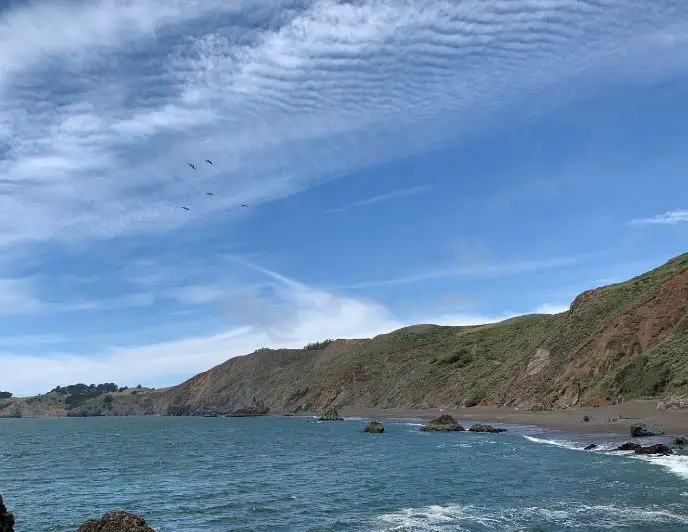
x=678, y=465
x=468, y=517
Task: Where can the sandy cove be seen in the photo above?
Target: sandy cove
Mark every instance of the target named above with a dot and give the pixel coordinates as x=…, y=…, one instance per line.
x=603, y=419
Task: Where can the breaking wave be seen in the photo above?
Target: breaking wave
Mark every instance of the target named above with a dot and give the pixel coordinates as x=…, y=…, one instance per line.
x=578, y=517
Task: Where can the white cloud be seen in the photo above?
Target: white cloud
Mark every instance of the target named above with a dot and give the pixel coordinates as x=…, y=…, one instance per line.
x=103, y=102
x=668, y=218
x=291, y=315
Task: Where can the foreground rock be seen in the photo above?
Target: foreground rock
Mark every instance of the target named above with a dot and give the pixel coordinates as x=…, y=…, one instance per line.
x=640, y=430
x=485, y=428
x=374, y=427
x=444, y=423
x=119, y=521
x=331, y=415
x=6, y=518
x=590, y=447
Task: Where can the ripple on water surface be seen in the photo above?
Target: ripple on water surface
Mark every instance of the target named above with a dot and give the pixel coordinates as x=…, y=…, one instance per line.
x=219, y=474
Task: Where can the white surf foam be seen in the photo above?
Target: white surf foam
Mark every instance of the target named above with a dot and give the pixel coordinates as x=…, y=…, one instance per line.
x=565, y=444
x=464, y=518
x=678, y=465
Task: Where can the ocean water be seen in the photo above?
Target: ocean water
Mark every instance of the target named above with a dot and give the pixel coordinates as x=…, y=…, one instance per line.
x=221, y=474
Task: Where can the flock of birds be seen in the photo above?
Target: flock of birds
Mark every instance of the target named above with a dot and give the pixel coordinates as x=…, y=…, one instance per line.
x=193, y=167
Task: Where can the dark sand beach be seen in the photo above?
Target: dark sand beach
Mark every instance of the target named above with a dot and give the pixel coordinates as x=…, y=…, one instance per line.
x=612, y=419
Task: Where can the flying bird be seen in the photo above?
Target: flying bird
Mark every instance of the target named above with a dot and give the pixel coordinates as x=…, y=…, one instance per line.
x=244, y=205
x=209, y=162
x=210, y=193
x=191, y=165
x=186, y=208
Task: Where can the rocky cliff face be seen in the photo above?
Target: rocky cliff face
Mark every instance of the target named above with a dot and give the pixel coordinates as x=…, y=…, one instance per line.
x=626, y=340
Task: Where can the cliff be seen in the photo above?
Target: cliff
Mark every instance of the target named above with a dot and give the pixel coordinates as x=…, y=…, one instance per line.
x=625, y=340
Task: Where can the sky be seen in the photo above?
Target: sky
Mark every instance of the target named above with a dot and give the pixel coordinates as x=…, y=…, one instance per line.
x=449, y=162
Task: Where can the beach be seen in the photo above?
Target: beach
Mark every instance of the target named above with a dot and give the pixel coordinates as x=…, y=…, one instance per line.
x=610, y=419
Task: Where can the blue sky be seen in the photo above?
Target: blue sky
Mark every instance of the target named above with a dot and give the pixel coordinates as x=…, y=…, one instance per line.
x=445, y=162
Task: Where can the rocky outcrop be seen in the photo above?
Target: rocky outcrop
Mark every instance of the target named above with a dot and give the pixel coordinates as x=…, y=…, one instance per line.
x=640, y=430
x=590, y=447
x=331, y=415
x=629, y=446
x=257, y=408
x=6, y=518
x=374, y=427
x=444, y=423
x=119, y=521
x=485, y=428
x=658, y=448
x=681, y=440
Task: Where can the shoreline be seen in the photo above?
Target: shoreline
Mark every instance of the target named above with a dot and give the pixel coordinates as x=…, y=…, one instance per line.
x=604, y=420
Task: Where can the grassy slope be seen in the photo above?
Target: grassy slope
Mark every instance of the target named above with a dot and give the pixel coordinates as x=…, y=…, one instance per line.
x=629, y=339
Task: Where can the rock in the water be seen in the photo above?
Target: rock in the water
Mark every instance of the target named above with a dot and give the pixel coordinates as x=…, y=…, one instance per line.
x=681, y=440
x=374, y=427
x=485, y=428
x=586, y=419
x=119, y=521
x=590, y=447
x=658, y=448
x=331, y=415
x=444, y=423
x=640, y=430
x=6, y=518
x=629, y=446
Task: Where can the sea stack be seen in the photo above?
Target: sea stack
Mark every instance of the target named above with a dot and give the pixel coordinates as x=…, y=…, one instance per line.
x=444, y=423
x=374, y=427
x=331, y=415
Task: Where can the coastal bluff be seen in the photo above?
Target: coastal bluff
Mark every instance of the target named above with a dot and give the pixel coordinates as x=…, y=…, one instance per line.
x=625, y=341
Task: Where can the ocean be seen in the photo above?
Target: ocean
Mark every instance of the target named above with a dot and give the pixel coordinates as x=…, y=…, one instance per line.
x=293, y=473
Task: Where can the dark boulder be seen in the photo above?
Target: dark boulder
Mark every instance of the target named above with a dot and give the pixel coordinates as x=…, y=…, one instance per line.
x=444, y=423
x=375, y=427
x=6, y=518
x=590, y=447
x=119, y=521
x=658, y=448
x=586, y=419
x=640, y=430
x=485, y=428
x=331, y=415
x=629, y=446
x=681, y=440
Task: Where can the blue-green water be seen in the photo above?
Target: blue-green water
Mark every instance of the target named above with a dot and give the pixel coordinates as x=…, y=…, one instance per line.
x=220, y=474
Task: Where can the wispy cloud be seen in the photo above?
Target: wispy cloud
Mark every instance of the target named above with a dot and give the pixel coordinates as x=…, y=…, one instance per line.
x=668, y=218
x=399, y=193
x=103, y=103
x=18, y=296
x=290, y=315
x=478, y=270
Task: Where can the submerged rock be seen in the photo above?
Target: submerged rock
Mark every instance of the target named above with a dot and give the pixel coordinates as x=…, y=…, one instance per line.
x=590, y=447
x=444, y=423
x=374, y=427
x=586, y=419
x=641, y=430
x=485, y=428
x=331, y=415
x=6, y=518
x=119, y=521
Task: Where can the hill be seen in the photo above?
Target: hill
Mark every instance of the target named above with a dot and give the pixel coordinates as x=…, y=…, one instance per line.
x=625, y=340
